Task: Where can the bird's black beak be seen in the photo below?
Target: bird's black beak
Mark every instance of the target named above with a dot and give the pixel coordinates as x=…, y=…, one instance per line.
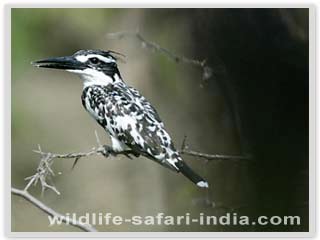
x=66, y=63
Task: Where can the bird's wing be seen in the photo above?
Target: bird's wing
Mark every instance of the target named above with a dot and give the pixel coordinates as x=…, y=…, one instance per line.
x=131, y=119
x=137, y=124
x=146, y=105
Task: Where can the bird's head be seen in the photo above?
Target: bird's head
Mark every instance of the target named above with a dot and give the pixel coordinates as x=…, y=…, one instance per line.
x=95, y=67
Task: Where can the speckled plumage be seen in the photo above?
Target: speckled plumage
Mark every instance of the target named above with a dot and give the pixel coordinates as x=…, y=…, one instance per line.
x=129, y=118
x=131, y=121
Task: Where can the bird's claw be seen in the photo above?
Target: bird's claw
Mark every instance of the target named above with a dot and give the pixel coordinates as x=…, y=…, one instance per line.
x=107, y=151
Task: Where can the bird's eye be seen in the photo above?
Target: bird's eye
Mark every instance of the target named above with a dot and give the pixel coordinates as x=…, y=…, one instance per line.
x=94, y=60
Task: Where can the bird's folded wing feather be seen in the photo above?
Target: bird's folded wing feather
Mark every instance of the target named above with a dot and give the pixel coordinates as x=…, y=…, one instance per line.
x=137, y=124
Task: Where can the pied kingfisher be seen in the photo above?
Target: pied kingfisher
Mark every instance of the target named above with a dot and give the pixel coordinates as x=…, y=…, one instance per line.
x=131, y=121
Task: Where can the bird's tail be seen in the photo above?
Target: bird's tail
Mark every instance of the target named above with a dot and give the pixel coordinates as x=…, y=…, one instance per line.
x=191, y=175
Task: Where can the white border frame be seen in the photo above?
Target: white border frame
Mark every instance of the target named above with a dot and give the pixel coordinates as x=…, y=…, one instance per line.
x=6, y=67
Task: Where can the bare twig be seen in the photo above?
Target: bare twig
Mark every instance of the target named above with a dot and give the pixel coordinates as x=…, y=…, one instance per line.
x=207, y=71
x=214, y=156
x=27, y=196
x=185, y=150
x=45, y=172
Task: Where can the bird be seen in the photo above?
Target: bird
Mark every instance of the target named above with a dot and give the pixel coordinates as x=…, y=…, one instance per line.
x=128, y=117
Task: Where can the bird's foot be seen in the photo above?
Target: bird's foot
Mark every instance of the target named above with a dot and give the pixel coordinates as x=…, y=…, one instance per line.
x=107, y=151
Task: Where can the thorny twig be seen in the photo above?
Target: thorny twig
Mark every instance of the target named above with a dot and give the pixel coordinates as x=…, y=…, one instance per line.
x=44, y=171
x=185, y=150
x=207, y=71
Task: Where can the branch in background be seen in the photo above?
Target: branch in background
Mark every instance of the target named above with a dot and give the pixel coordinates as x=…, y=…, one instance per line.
x=207, y=71
x=185, y=150
x=27, y=196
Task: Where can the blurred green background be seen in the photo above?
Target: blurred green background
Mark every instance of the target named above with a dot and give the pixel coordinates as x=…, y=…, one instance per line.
x=255, y=103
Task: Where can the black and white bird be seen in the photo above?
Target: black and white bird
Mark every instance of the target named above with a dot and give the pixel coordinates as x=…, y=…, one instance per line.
x=131, y=121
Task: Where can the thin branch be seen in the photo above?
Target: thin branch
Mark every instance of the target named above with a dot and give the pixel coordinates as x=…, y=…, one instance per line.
x=207, y=71
x=45, y=172
x=27, y=196
x=214, y=156
x=185, y=150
